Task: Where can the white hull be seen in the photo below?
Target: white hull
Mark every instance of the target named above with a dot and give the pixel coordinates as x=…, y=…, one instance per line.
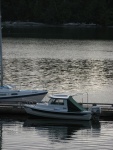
x=58, y=115
x=23, y=98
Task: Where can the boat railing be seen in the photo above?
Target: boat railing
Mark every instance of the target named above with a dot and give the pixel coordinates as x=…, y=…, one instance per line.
x=16, y=104
x=87, y=105
x=82, y=101
x=19, y=87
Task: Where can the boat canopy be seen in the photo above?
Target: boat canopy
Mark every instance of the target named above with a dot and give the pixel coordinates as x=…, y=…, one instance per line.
x=73, y=105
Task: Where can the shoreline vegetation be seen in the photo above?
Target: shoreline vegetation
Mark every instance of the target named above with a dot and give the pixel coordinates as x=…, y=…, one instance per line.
x=81, y=31
x=59, y=12
x=18, y=24
x=65, y=19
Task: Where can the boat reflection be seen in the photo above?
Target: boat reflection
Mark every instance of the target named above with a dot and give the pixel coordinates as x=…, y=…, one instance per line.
x=58, y=130
x=33, y=122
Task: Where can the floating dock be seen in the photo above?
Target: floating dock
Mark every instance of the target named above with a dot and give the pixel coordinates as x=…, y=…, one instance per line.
x=106, y=108
x=18, y=108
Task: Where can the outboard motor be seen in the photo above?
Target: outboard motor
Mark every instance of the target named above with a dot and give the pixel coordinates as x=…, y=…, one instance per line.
x=96, y=111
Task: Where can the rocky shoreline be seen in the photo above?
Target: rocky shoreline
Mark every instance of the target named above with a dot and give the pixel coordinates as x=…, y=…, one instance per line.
x=34, y=24
x=62, y=31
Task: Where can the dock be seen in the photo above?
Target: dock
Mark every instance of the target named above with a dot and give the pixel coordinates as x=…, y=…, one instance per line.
x=106, y=108
x=18, y=108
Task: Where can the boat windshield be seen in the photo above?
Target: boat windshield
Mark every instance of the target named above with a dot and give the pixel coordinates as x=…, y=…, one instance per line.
x=56, y=101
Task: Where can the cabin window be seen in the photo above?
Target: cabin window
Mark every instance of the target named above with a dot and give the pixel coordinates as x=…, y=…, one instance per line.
x=57, y=102
x=3, y=94
x=14, y=94
x=61, y=102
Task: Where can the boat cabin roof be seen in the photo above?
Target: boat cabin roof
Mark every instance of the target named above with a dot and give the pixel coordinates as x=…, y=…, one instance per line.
x=59, y=96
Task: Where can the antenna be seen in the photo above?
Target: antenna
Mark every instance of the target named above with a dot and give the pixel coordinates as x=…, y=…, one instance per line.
x=1, y=67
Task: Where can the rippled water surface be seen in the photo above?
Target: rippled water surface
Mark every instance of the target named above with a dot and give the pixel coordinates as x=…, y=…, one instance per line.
x=24, y=134
x=69, y=66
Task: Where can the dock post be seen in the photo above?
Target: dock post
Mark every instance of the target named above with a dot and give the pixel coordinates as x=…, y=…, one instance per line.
x=87, y=100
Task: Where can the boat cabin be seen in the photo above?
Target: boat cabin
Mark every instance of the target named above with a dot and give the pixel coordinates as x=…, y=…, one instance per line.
x=65, y=103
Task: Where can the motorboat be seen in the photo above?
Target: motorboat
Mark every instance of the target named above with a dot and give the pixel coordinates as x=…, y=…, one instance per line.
x=59, y=106
x=10, y=94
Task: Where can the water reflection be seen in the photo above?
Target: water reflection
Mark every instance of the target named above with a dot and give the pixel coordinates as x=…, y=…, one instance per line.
x=59, y=75
x=34, y=133
x=60, y=32
x=58, y=130
x=0, y=135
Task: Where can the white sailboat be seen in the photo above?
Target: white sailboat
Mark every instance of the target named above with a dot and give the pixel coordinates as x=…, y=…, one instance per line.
x=8, y=93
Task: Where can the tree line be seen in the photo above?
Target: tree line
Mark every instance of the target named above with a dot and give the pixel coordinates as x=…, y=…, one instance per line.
x=59, y=11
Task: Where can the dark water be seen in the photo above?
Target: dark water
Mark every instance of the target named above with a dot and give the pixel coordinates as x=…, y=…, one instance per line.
x=59, y=32
x=27, y=133
x=68, y=66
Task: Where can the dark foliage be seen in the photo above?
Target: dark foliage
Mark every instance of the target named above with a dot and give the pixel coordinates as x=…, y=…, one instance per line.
x=59, y=11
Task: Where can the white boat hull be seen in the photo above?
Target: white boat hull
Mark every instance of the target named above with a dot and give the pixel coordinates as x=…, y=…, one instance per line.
x=37, y=97
x=85, y=115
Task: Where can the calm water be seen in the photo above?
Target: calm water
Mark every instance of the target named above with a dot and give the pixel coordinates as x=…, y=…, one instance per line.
x=68, y=66
x=37, y=134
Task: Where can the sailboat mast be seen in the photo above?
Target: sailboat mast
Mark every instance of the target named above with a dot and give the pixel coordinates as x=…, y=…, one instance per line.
x=1, y=67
